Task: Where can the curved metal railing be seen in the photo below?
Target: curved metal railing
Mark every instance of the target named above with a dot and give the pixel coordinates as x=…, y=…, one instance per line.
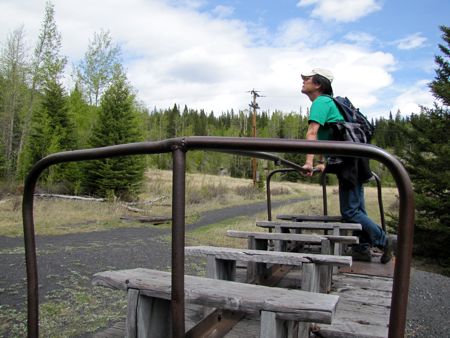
x=324, y=193
x=178, y=147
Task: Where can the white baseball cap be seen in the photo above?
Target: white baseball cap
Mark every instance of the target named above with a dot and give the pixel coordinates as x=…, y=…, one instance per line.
x=320, y=71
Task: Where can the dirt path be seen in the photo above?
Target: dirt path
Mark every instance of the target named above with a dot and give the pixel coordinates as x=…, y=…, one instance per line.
x=62, y=257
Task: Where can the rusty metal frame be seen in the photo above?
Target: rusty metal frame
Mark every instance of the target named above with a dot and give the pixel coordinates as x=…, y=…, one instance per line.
x=179, y=147
x=269, y=192
x=324, y=193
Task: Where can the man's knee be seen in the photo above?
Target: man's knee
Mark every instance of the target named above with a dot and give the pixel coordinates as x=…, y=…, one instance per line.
x=350, y=215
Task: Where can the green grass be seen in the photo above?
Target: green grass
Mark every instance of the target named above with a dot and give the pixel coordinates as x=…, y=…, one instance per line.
x=72, y=309
x=215, y=234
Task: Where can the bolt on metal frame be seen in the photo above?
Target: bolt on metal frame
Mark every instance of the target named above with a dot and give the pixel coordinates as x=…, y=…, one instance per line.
x=178, y=147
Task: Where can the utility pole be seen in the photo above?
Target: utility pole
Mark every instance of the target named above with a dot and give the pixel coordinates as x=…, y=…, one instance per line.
x=254, y=106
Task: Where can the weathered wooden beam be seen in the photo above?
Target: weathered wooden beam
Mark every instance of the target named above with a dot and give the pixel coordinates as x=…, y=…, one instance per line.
x=313, y=239
x=308, y=225
x=288, y=304
x=269, y=257
x=303, y=218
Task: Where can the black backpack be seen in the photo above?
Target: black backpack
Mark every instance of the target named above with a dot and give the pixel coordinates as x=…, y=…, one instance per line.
x=355, y=128
x=360, y=129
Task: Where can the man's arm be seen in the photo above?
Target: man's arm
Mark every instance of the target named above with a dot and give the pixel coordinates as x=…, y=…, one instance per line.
x=311, y=134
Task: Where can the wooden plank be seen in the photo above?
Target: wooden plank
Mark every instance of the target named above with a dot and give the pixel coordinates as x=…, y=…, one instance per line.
x=318, y=218
x=219, y=268
x=154, y=317
x=364, y=307
x=310, y=278
x=269, y=257
x=308, y=225
x=342, y=239
x=313, y=239
x=325, y=271
x=288, y=304
x=270, y=326
x=256, y=272
x=131, y=320
x=359, y=322
x=343, y=331
x=346, y=281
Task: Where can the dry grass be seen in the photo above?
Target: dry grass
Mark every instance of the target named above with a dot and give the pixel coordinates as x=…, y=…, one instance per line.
x=203, y=192
x=215, y=234
x=314, y=206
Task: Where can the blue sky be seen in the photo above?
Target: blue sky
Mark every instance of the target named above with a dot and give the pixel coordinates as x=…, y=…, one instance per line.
x=208, y=54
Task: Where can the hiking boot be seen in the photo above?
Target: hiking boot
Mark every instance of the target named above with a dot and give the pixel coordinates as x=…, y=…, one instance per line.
x=362, y=255
x=387, y=251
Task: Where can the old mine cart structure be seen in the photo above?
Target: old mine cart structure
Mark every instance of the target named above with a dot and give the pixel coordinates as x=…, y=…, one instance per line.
x=158, y=301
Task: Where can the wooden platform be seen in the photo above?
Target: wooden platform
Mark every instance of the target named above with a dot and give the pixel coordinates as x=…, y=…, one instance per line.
x=364, y=307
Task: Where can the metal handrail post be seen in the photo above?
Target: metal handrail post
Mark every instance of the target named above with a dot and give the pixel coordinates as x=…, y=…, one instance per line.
x=379, y=194
x=402, y=271
x=323, y=182
x=380, y=201
x=268, y=191
x=178, y=241
x=28, y=201
x=30, y=254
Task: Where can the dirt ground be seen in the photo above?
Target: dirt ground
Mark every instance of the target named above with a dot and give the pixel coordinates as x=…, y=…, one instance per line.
x=62, y=258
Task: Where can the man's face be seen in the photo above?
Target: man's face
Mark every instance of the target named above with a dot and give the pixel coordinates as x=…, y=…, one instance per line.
x=308, y=85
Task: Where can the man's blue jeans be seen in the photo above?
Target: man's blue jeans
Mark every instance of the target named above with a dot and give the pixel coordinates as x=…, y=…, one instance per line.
x=353, y=210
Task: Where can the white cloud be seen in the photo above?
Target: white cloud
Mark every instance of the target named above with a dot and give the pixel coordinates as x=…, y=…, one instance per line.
x=360, y=38
x=410, y=98
x=191, y=4
x=180, y=55
x=341, y=10
x=411, y=42
x=299, y=32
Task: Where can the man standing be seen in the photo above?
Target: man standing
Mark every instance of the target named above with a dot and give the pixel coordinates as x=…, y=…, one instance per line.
x=317, y=86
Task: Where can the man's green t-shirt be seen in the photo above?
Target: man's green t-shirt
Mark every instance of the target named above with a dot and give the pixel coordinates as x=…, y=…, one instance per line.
x=323, y=110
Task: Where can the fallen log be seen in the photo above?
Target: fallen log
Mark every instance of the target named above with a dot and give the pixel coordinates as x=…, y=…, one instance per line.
x=148, y=219
x=127, y=205
x=69, y=197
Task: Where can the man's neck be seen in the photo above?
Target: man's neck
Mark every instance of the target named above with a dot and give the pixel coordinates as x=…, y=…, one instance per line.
x=314, y=96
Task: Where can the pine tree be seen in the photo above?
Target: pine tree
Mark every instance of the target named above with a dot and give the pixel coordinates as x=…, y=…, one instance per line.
x=52, y=130
x=427, y=159
x=83, y=116
x=173, y=116
x=118, y=123
x=441, y=85
x=47, y=68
